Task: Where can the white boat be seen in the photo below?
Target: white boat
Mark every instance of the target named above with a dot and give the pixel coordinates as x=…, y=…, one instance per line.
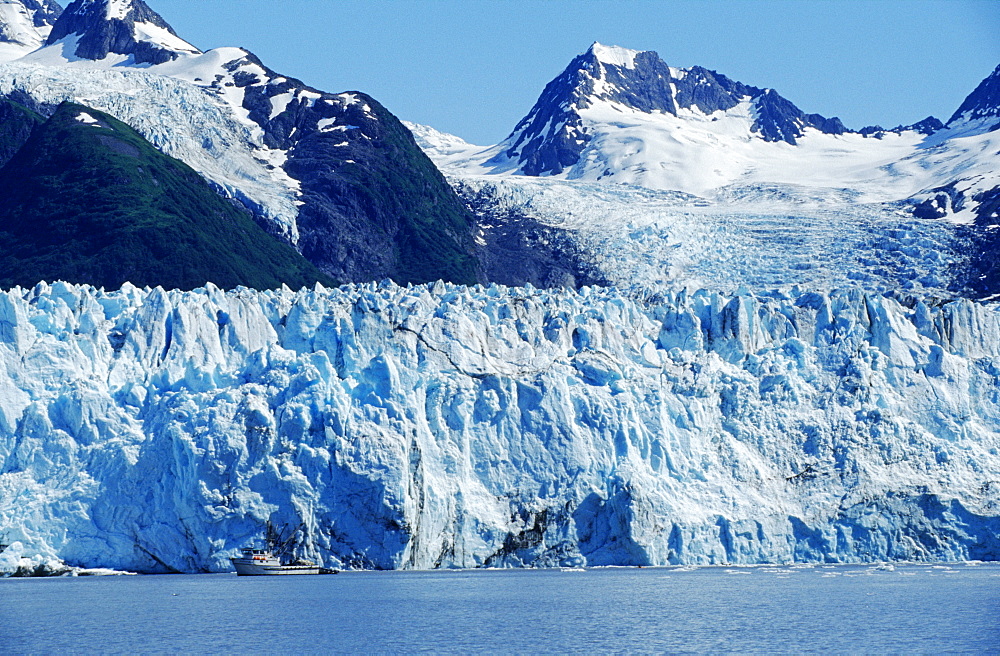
x=273, y=559
x=261, y=562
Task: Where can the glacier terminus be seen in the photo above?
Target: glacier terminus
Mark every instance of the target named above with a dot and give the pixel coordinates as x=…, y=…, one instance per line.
x=451, y=426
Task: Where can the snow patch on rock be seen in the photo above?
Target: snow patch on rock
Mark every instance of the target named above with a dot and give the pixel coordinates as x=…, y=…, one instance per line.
x=614, y=55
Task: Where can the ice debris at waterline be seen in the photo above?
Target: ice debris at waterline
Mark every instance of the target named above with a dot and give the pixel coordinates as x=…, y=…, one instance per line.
x=446, y=426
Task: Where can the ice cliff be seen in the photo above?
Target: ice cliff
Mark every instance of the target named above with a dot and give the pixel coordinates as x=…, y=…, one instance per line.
x=465, y=426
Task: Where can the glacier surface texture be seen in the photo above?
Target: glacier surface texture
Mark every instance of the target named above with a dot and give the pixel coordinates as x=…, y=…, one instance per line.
x=441, y=426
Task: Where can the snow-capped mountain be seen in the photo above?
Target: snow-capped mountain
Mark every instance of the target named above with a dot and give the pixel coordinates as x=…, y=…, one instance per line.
x=95, y=29
x=619, y=115
x=25, y=25
x=982, y=105
x=306, y=163
x=556, y=132
x=714, y=182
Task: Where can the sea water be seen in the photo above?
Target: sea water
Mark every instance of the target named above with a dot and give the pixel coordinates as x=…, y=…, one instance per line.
x=902, y=608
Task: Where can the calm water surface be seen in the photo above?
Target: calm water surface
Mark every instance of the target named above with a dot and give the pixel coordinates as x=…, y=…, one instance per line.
x=910, y=609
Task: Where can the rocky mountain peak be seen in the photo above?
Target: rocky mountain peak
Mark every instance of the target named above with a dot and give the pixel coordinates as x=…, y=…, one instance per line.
x=633, y=78
x=613, y=55
x=984, y=102
x=553, y=135
x=27, y=23
x=120, y=27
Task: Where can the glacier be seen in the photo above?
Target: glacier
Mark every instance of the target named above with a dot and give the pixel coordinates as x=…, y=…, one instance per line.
x=820, y=232
x=745, y=236
x=448, y=426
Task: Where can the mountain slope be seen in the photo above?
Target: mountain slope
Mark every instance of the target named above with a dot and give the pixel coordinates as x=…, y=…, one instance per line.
x=16, y=124
x=356, y=226
x=95, y=29
x=371, y=203
x=87, y=200
x=374, y=202
x=982, y=103
x=25, y=26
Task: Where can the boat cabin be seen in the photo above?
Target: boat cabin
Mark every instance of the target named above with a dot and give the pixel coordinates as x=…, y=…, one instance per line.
x=260, y=557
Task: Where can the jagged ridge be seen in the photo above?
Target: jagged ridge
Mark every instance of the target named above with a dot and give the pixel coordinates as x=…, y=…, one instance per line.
x=983, y=102
x=552, y=136
x=105, y=27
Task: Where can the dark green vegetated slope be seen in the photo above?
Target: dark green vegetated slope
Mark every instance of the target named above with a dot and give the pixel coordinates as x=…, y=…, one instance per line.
x=88, y=200
x=375, y=204
x=16, y=125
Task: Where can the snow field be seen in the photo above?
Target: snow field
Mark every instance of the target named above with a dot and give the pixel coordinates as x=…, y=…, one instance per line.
x=18, y=30
x=704, y=154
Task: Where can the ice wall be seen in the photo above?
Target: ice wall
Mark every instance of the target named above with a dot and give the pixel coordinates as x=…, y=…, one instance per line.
x=451, y=426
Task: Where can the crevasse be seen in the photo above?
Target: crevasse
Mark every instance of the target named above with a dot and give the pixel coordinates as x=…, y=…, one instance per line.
x=440, y=426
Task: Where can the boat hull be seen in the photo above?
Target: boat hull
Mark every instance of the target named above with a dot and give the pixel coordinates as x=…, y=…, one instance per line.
x=244, y=568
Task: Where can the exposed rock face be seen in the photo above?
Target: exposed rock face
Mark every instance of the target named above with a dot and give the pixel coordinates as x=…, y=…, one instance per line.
x=121, y=27
x=553, y=134
x=927, y=126
x=44, y=12
x=373, y=205
x=985, y=269
x=515, y=248
x=983, y=103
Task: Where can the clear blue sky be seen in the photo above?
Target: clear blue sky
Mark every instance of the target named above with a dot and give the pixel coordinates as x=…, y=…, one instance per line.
x=475, y=67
